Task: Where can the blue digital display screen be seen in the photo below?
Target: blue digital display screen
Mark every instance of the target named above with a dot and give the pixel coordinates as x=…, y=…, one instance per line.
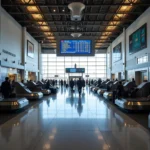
x=75, y=47
x=75, y=70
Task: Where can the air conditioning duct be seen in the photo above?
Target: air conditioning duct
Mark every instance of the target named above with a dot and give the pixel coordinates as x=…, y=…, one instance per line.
x=76, y=35
x=76, y=10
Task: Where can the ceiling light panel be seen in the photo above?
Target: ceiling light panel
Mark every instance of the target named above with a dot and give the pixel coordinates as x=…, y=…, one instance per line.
x=35, y=9
x=118, y=16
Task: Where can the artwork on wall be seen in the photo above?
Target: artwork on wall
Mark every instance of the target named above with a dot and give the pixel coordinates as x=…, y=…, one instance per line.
x=30, y=49
x=117, y=54
x=138, y=39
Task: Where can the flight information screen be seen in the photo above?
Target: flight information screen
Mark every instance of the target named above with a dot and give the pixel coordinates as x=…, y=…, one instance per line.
x=75, y=47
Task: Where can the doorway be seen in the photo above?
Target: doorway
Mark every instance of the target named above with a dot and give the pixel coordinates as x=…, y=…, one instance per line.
x=141, y=76
x=74, y=77
x=112, y=76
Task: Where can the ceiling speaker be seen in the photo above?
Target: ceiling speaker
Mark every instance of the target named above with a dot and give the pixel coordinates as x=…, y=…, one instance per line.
x=76, y=10
x=76, y=35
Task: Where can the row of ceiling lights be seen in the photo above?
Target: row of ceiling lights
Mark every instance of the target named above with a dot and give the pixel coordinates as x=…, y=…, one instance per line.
x=104, y=36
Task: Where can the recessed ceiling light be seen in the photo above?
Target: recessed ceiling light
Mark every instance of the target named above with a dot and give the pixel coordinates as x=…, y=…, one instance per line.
x=63, y=10
x=54, y=10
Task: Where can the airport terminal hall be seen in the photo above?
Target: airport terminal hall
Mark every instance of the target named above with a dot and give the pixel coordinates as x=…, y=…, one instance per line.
x=74, y=74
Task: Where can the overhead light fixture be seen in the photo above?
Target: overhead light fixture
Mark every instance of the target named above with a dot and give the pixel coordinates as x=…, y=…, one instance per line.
x=76, y=10
x=76, y=35
x=54, y=10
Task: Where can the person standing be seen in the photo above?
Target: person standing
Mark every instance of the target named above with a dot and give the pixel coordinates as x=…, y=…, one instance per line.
x=79, y=85
x=71, y=85
x=120, y=90
x=83, y=84
x=6, y=88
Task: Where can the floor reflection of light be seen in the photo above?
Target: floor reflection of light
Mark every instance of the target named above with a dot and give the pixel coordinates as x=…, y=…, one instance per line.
x=65, y=106
x=47, y=146
x=105, y=147
x=54, y=130
x=100, y=137
x=51, y=137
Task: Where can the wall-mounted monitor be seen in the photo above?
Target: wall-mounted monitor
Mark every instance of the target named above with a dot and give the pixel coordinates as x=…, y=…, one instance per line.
x=138, y=40
x=75, y=47
x=117, y=53
x=75, y=70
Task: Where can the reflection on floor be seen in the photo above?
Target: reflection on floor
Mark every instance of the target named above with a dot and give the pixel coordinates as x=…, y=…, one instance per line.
x=67, y=122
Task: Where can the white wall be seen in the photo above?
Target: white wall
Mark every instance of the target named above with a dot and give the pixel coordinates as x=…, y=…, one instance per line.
x=118, y=65
x=32, y=63
x=11, y=38
x=131, y=59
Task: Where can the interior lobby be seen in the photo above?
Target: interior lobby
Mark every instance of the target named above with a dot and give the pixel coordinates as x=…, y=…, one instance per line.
x=74, y=74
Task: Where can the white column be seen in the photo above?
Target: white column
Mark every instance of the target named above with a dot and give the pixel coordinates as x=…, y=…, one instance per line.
x=39, y=62
x=110, y=60
x=124, y=54
x=0, y=31
x=24, y=53
x=0, y=43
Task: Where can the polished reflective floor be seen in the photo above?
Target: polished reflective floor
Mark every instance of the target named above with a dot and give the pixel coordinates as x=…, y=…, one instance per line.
x=67, y=122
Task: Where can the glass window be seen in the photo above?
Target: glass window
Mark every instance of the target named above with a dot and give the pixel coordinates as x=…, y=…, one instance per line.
x=91, y=67
x=83, y=58
x=91, y=63
x=101, y=63
x=142, y=59
x=95, y=67
x=52, y=71
x=101, y=67
x=60, y=71
x=91, y=59
x=60, y=63
x=51, y=59
x=83, y=63
x=67, y=58
x=60, y=59
x=51, y=67
x=76, y=59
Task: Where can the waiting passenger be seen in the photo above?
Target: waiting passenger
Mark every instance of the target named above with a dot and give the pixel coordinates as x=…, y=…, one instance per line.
x=120, y=90
x=6, y=88
x=71, y=85
x=47, y=84
x=79, y=85
x=53, y=82
x=83, y=84
x=22, y=81
x=99, y=82
x=65, y=83
x=61, y=82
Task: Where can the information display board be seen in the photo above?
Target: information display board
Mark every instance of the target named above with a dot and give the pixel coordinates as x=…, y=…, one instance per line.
x=75, y=48
x=75, y=70
x=117, y=54
x=138, y=40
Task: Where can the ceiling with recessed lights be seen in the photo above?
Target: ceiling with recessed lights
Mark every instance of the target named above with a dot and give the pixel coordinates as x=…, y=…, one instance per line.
x=48, y=20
